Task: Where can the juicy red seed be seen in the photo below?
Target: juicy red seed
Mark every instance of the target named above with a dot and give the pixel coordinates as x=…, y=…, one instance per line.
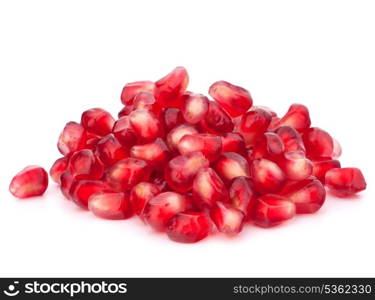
x=233, y=142
x=188, y=227
x=308, y=195
x=172, y=117
x=271, y=210
x=208, y=188
x=318, y=143
x=169, y=89
x=194, y=108
x=146, y=100
x=125, y=111
x=336, y=153
x=210, y=145
x=156, y=154
x=231, y=165
x=131, y=89
x=217, y=121
x=266, y=108
x=59, y=167
x=163, y=207
x=113, y=206
x=242, y=195
x=346, y=181
x=181, y=171
x=124, y=132
x=268, y=146
x=321, y=167
x=141, y=194
x=66, y=180
x=110, y=150
x=295, y=165
x=297, y=116
x=72, y=138
x=158, y=179
x=97, y=121
x=30, y=182
x=146, y=125
x=267, y=176
x=234, y=99
x=177, y=133
x=128, y=172
x=227, y=219
x=84, y=162
x=292, y=140
x=253, y=125
x=82, y=190
x=274, y=124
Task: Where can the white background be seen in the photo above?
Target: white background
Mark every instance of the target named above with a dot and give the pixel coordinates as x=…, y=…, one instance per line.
x=58, y=58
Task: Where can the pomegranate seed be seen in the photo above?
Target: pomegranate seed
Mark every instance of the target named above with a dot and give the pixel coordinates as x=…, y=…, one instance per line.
x=141, y=194
x=131, y=89
x=345, y=182
x=146, y=100
x=297, y=116
x=274, y=124
x=194, y=108
x=125, y=111
x=113, y=206
x=156, y=154
x=177, y=133
x=321, y=167
x=308, y=195
x=146, y=125
x=30, y=182
x=253, y=124
x=110, y=151
x=66, y=180
x=158, y=179
x=82, y=190
x=217, y=120
x=181, y=170
x=242, y=195
x=97, y=121
x=208, y=188
x=271, y=210
x=170, y=88
x=124, y=132
x=318, y=143
x=163, y=207
x=72, y=138
x=295, y=165
x=292, y=140
x=231, y=165
x=227, y=219
x=84, y=162
x=172, y=117
x=233, y=142
x=59, y=167
x=266, y=108
x=336, y=152
x=128, y=172
x=210, y=145
x=234, y=99
x=267, y=176
x=269, y=146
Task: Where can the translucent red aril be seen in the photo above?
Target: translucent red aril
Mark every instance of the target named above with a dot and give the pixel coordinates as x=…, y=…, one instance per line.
x=233, y=142
x=308, y=195
x=113, y=206
x=169, y=89
x=210, y=145
x=217, y=121
x=146, y=100
x=292, y=140
x=82, y=190
x=295, y=165
x=345, y=182
x=30, y=182
x=267, y=176
x=66, y=180
x=274, y=124
x=318, y=143
x=297, y=116
x=58, y=167
x=321, y=167
x=271, y=210
x=269, y=145
x=128, y=172
x=131, y=89
x=234, y=99
x=231, y=165
x=146, y=125
x=208, y=188
x=194, y=107
x=125, y=111
x=336, y=153
x=163, y=207
x=72, y=138
x=157, y=178
x=177, y=133
x=227, y=219
x=156, y=154
x=141, y=194
x=124, y=132
x=253, y=125
x=188, y=227
x=84, y=162
x=110, y=150
x=242, y=195
x=172, y=117
x=97, y=121
x=181, y=171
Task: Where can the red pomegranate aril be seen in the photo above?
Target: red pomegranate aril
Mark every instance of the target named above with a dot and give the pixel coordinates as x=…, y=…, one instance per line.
x=268, y=146
x=210, y=145
x=125, y=111
x=72, y=138
x=181, y=171
x=163, y=207
x=242, y=195
x=110, y=150
x=318, y=143
x=188, y=227
x=84, y=162
x=208, y=188
x=177, y=133
x=146, y=100
x=82, y=190
x=112, y=206
x=141, y=194
x=321, y=167
x=253, y=125
x=157, y=178
x=124, y=132
x=169, y=89
x=171, y=117
x=345, y=182
x=233, y=142
x=128, y=172
x=231, y=165
x=59, y=167
x=297, y=116
x=217, y=121
x=194, y=107
x=30, y=182
x=336, y=152
x=227, y=219
x=267, y=176
x=66, y=180
x=146, y=125
x=97, y=121
x=131, y=89
x=271, y=210
x=292, y=140
x=295, y=165
x=234, y=99
x=308, y=195
x=156, y=154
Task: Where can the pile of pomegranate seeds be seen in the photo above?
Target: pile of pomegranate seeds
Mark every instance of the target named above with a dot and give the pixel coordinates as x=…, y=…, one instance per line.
x=190, y=166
